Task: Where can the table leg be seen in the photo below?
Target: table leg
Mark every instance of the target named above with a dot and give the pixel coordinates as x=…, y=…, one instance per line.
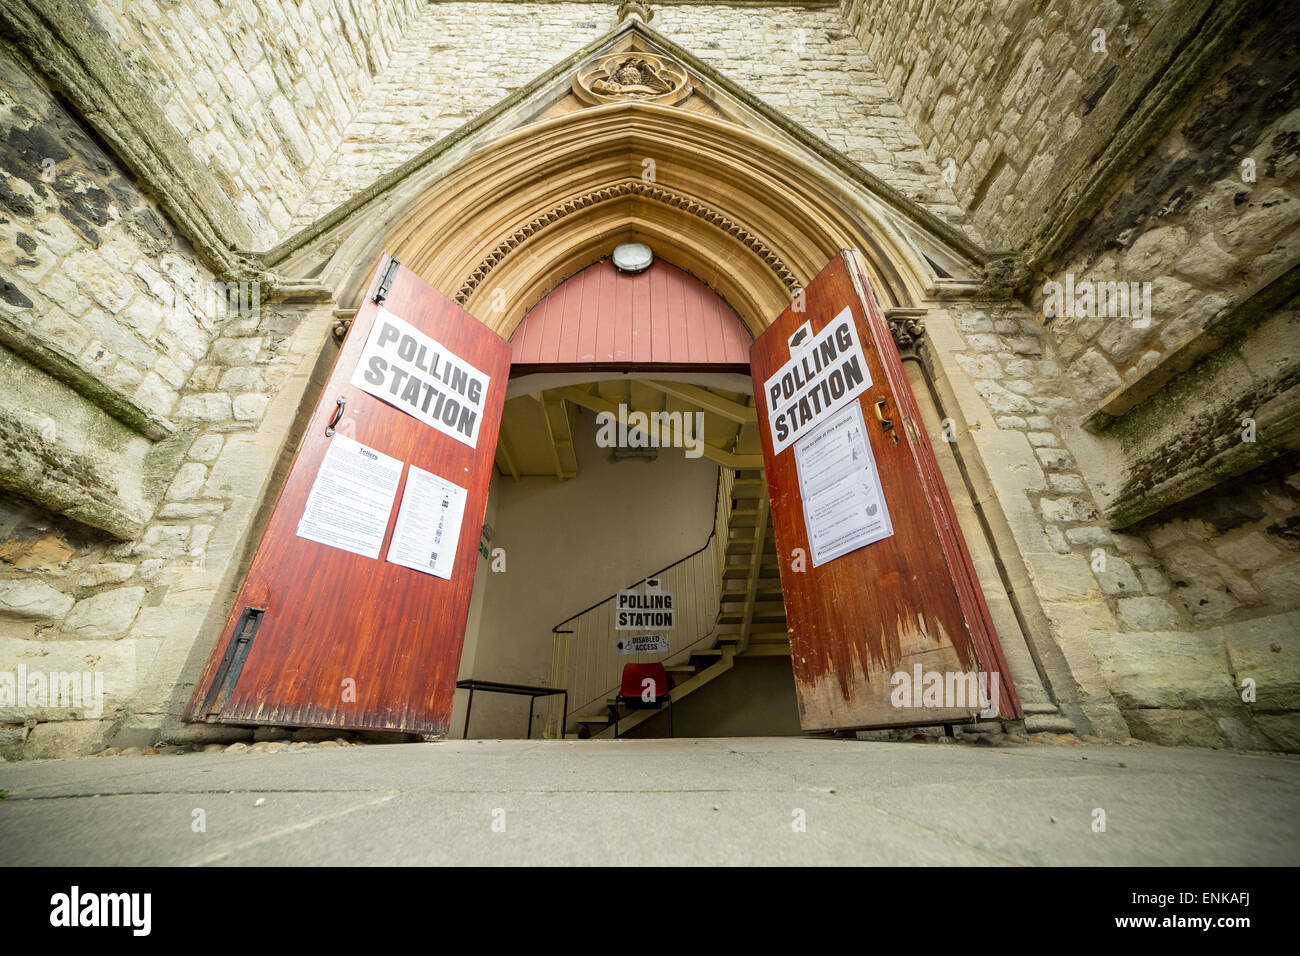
x=468, y=707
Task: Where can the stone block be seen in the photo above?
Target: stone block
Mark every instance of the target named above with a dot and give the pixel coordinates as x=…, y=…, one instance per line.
x=111, y=572
x=1268, y=651
x=206, y=407
x=66, y=738
x=1169, y=669
x=1280, y=731
x=188, y=482
x=1147, y=613
x=1068, y=509
x=29, y=599
x=1176, y=728
x=249, y=407
x=105, y=615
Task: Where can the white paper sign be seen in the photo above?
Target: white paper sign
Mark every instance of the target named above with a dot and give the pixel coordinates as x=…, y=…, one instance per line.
x=351, y=498
x=408, y=370
x=843, y=502
x=644, y=610
x=642, y=644
x=820, y=378
x=428, y=524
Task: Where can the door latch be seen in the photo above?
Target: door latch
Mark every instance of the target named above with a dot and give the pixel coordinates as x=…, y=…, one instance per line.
x=886, y=424
x=340, y=405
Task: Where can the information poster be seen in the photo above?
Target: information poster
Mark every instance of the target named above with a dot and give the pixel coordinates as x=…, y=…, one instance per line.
x=351, y=498
x=428, y=524
x=410, y=371
x=843, y=503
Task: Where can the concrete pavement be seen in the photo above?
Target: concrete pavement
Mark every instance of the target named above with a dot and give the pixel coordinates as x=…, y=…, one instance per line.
x=714, y=801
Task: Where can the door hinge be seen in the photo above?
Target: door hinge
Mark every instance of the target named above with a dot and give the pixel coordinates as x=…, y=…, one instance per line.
x=232, y=663
x=386, y=280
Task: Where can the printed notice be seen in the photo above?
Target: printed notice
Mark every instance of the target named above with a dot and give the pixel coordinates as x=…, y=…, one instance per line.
x=428, y=524
x=843, y=503
x=405, y=368
x=821, y=377
x=351, y=498
x=643, y=644
x=642, y=610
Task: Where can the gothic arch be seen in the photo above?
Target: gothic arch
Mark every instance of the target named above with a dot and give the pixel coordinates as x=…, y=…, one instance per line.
x=496, y=225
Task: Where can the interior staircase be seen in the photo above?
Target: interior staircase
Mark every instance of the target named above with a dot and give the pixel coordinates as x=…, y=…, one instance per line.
x=751, y=615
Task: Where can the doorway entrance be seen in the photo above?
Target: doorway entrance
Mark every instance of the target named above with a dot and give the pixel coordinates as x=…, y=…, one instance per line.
x=875, y=577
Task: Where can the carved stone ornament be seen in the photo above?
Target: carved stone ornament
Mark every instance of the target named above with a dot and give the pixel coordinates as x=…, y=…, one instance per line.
x=906, y=329
x=617, y=77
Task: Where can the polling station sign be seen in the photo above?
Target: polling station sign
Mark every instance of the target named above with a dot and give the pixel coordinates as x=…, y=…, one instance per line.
x=821, y=377
x=644, y=610
x=410, y=371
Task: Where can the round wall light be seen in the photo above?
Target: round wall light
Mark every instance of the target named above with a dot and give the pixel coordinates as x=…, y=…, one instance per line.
x=632, y=257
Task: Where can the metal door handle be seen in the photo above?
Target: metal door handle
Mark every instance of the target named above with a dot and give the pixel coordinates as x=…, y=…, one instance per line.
x=885, y=423
x=338, y=413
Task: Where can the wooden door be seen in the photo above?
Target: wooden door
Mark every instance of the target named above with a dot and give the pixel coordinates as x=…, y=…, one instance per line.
x=880, y=592
x=365, y=632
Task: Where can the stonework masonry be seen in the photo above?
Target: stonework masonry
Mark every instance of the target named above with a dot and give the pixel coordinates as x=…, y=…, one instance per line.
x=839, y=95
x=149, y=410
x=260, y=89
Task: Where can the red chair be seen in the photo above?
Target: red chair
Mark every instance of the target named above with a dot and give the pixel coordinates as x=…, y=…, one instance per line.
x=642, y=681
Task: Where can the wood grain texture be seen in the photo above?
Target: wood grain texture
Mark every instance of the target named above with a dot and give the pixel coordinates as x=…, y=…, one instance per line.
x=602, y=318
x=909, y=599
x=332, y=615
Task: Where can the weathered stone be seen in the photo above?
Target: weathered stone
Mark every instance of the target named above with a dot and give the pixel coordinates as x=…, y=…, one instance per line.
x=105, y=615
x=1119, y=578
x=1280, y=585
x=1068, y=509
x=249, y=407
x=209, y=407
x=1176, y=728
x=1147, y=613
x=1280, y=731
x=32, y=600
x=188, y=482
x=1266, y=651
x=112, y=572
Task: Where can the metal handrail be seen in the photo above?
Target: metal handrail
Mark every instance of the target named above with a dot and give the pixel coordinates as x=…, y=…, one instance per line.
x=652, y=574
x=582, y=675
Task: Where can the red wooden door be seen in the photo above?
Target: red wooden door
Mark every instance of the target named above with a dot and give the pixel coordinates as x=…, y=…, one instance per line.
x=888, y=626
x=350, y=617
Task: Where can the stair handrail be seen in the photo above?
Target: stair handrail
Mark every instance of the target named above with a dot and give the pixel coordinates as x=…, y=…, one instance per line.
x=653, y=574
x=718, y=535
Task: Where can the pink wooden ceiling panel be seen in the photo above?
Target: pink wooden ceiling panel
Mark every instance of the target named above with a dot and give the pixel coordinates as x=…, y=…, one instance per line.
x=662, y=316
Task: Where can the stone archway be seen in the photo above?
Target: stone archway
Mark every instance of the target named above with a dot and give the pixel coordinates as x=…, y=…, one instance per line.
x=498, y=221
x=752, y=216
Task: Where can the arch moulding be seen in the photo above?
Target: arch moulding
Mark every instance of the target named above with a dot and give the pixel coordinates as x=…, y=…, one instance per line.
x=498, y=224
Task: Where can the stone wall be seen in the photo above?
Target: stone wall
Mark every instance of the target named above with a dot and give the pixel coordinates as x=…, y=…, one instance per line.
x=1208, y=217
x=1001, y=89
x=460, y=58
x=114, y=329
x=103, y=308
x=1158, y=624
x=260, y=89
x=146, y=415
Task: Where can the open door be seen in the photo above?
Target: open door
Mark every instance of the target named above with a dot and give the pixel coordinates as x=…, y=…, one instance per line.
x=353, y=611
x=888, y=626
